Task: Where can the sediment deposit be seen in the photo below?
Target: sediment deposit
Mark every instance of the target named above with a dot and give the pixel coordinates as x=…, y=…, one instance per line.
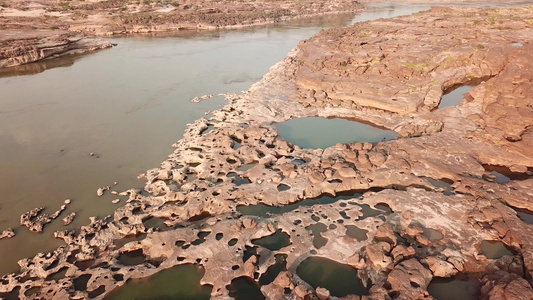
x=391, y=73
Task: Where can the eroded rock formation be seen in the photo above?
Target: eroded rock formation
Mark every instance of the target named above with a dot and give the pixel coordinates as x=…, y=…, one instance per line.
x=412, y=209
x=22, y=47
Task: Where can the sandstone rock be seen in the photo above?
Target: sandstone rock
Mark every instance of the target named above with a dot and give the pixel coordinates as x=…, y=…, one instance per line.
x=271, y=227
x=41, y=44
x=249, y=223
x=347, y=172
x=401, y=252
x=249, y=266
x=164, y=175
x=322, y=293
x=301, y=291
x=316, y=177
x=283, y=279
x=408, y=272
x=385, y=233
x=440, y=268
x=376, y=158
x=35, y=219
x=376, y=256
x=6, y=234
x=502, y=285
x=414, y=229
x=69, y=218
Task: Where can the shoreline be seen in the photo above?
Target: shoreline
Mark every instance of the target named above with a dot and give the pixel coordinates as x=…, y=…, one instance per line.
x=207, y=199
x=47, y=31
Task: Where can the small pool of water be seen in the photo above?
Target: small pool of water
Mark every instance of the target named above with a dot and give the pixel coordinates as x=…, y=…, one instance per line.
x=274, y=270
x=32, y=291
x=432, y=234
x=525, y=215
x=275, y=241
x=130, y=238
x=502, y=174
x=368, y=212
x=496, y=249
x=132, y=258
x=58, y=275
x=179, y=282
x=317, y=229
x=499, y=177
x=454, y=288
x=80, y=283
x=317, y=132
x=454, y=97
x=339, y=279
x=443, y=183
x=244, y=288
x=245, y=167
x=356, y=232
x=153, y=222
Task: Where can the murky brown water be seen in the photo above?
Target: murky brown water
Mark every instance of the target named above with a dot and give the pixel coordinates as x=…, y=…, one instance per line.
x=128, y=105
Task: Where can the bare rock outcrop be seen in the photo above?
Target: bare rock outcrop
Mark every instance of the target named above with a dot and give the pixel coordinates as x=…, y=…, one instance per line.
x=20, y=47
x=35, y=219
x=43, y=29
x=401, y=212
x=8, y=233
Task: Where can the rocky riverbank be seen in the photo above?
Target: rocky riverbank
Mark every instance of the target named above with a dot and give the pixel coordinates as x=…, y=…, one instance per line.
x=36, y=30
x=22, y=47
x=389, y=72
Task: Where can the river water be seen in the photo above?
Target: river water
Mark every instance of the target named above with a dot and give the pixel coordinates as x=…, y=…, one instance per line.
x=126, y=105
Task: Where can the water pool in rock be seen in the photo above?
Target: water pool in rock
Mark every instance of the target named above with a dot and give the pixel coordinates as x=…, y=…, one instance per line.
x=432, y=234
x=317, y=132
x=454, y=97
x=525, y=215
x=275, y=241
x=179, y=282
x=496, y=249
x=356, y=232
x=503, y=174
x=244, y=288
x=339, y=279
x=454, y=288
